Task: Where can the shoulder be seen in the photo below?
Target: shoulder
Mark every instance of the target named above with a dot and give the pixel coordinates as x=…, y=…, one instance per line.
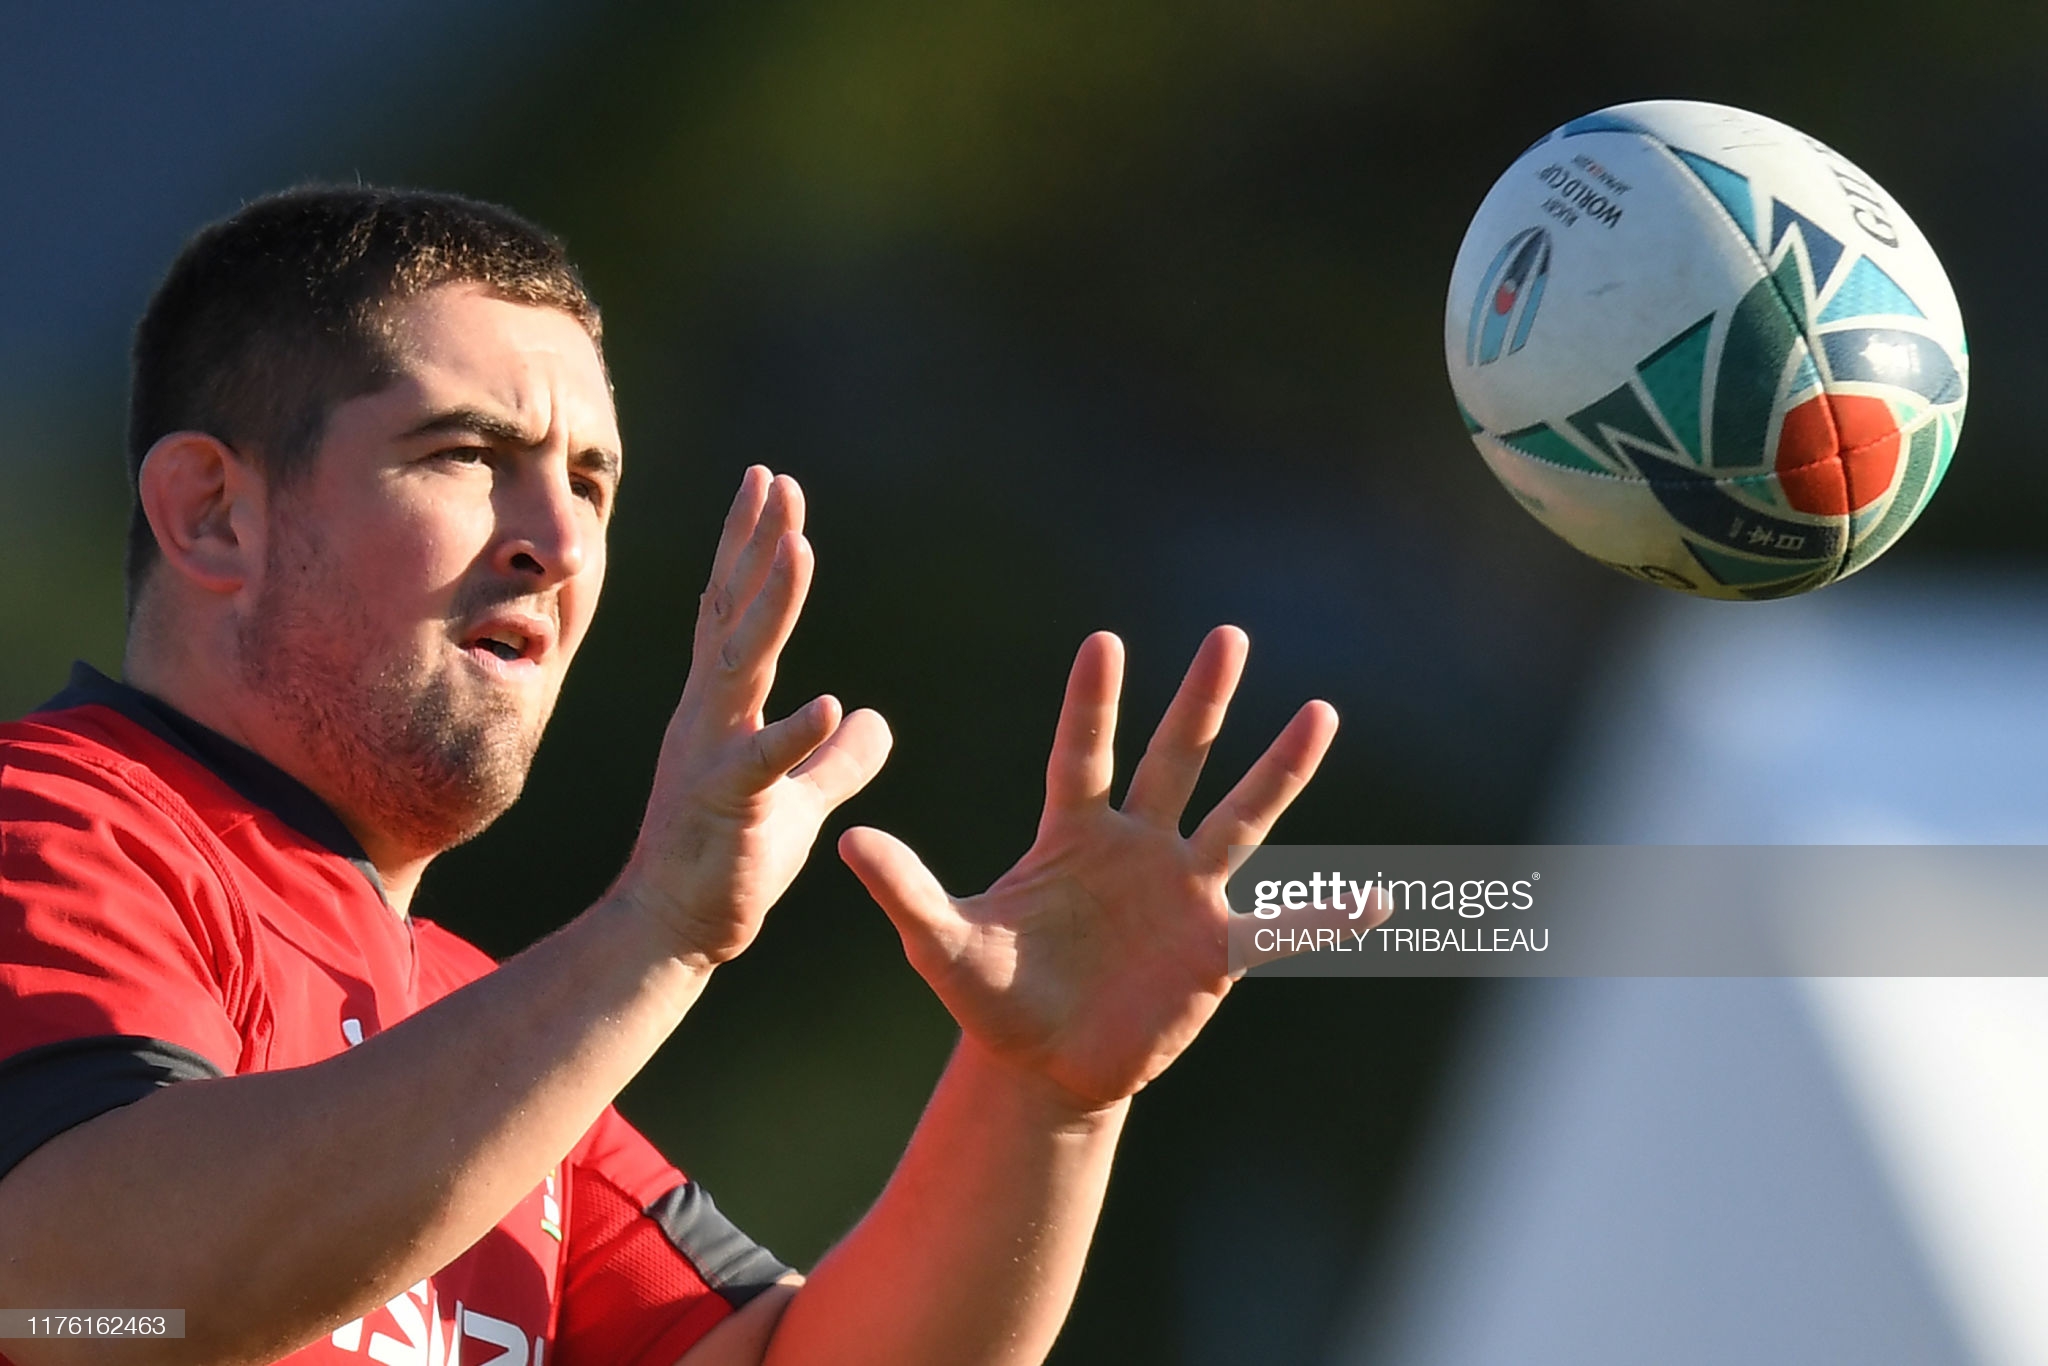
x=87, y=796
x=119, y=912
x=94, y=762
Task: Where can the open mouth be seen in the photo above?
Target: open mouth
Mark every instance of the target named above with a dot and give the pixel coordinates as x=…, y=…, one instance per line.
x=502, y=641
x=508, y=638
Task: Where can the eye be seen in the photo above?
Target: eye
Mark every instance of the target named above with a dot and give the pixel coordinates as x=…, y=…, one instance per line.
x=462, y=455
x=591, y=491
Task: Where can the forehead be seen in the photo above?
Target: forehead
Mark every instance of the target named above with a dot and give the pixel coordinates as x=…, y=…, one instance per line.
x=458, y=345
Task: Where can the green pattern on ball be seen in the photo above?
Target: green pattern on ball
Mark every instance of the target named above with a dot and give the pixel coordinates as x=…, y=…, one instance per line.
x=1761, y=336
x=1676, y=374
x=1541, y=443
x=1620, y=414
x=1924, y=462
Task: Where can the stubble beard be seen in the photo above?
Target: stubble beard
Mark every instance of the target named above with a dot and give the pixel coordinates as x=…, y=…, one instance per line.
x=424, y=757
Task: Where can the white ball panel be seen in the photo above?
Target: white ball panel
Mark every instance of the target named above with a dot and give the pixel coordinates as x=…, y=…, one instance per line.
x=1618, y=287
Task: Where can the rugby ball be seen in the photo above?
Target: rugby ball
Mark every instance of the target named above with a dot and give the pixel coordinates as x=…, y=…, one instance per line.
x=1706, y=349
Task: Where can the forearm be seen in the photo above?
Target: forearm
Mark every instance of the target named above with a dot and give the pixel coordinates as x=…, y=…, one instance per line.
x=972, y=1254
x=274, y=1206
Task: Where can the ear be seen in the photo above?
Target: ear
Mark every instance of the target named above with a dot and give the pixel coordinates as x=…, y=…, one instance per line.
x=205, y=504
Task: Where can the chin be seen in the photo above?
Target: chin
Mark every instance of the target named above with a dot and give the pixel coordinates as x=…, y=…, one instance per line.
x=427, y=765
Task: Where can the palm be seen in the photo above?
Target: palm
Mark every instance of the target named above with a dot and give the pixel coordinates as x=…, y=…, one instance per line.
x=1099, y=956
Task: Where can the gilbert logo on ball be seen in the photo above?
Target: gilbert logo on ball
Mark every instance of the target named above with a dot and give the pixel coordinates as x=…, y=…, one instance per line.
x=1706, y=349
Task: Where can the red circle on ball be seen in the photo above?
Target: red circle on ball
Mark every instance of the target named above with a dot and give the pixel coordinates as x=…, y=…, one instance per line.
x=1837, y=453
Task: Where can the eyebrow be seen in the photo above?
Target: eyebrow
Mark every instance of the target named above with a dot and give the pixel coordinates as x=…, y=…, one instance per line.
x=493, y=427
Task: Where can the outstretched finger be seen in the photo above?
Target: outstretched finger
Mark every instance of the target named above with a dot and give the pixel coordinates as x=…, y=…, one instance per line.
x=743, y=669
x=848, y=759
x=739, y=523
x=728, y=599
x=1166, y=776
x=932, y=929
x=1083, y=755
x=793, y=740
x=1245, y=815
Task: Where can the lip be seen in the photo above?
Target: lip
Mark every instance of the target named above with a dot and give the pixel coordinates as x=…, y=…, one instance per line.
x=536, y=635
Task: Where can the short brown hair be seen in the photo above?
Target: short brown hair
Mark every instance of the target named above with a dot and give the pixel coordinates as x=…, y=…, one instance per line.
x=269, y=319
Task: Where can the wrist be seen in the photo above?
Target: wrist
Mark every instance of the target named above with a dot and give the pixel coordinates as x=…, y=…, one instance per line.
x=1018, y=1085
x=653, y=921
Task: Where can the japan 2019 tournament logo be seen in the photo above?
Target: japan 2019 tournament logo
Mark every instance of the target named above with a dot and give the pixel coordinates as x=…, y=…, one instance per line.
x=1508, y=298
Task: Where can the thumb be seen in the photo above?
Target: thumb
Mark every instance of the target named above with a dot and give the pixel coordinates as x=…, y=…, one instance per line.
x=906, y=890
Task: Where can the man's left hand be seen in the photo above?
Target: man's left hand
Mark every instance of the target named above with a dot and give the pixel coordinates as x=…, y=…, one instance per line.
x=1098, y=957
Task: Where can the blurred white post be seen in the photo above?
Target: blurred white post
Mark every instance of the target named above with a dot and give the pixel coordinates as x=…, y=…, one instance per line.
x=1680, y=1171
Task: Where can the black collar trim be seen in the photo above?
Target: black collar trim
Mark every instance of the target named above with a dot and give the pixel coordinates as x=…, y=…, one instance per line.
x=252, y=776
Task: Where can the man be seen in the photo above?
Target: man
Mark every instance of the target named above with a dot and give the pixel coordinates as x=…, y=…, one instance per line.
x=375, y=456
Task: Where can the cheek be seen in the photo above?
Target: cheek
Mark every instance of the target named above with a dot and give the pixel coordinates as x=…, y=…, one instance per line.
x=426, y=547
x=580, y=596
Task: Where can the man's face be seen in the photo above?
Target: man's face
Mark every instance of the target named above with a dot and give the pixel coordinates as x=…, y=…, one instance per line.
x=429, y=579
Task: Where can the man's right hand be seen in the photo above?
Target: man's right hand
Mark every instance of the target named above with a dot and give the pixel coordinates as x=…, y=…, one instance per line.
x=737, y=802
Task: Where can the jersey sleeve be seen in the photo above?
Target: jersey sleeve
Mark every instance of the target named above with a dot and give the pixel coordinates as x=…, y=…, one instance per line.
x=120, y=969
x=651, y=1265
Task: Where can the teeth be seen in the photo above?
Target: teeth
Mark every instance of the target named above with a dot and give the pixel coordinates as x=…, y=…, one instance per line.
x=506, y=645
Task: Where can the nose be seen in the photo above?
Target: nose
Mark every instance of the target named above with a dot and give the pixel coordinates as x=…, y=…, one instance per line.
x=544, y=527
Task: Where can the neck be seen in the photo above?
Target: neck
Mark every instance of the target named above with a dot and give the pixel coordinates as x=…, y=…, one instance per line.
x=193, y=682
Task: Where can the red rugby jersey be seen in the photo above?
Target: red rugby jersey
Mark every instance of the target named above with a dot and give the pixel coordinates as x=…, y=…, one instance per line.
x=173, y=906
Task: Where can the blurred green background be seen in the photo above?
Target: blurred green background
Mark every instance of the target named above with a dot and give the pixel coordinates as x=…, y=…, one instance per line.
x=1123, y=314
